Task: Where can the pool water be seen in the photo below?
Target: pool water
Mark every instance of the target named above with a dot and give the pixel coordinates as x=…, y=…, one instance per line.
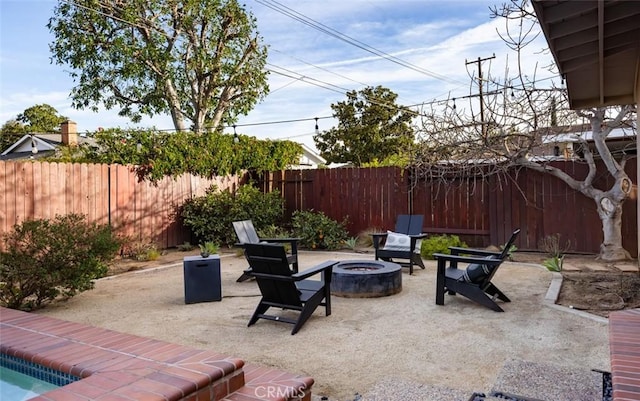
x=16, y=386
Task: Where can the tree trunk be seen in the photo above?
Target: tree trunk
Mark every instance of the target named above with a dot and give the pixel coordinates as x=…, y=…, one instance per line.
x=174, y=106
x=610, y=212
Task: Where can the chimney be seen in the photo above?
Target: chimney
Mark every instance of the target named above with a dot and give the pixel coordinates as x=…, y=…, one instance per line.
x=69, y=130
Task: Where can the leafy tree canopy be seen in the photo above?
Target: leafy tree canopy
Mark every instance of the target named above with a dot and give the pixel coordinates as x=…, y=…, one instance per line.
x=371, y=127
x=41, y=118
x=11, y=131
x=159, y=154
x=197, y=60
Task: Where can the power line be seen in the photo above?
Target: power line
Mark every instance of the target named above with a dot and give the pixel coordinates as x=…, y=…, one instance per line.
x=309, y=80
x=321, y=68
x=296, y=120
x=289, y=12
x=274, y=5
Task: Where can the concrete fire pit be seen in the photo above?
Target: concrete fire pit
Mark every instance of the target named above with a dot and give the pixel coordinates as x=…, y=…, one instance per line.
x=366, y=279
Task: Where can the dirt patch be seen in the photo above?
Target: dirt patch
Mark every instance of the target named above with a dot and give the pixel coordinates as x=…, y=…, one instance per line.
x=601, y=292
x=594, y=286
x=167, y=257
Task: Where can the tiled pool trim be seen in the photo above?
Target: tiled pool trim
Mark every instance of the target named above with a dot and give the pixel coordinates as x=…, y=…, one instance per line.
x=120, y=366
x=37, y=371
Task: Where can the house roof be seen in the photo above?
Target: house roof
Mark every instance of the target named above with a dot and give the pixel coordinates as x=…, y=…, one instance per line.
x=310, y=157
x=27, y=143
x=24, y=146
x=596, y=46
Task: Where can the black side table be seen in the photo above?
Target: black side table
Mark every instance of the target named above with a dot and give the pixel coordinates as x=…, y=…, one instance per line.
x=202, y=281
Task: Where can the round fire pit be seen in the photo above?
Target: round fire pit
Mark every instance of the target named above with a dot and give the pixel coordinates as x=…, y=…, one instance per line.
x=366, y=279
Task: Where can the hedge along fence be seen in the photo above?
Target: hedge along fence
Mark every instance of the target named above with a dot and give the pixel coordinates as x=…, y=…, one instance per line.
x=106, y=194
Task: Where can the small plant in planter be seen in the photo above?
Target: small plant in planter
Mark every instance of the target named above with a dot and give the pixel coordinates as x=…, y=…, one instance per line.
x=208, y=248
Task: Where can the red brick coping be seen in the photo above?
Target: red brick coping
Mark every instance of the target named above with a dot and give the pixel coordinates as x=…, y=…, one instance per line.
x=624, y=343
x=118, y=366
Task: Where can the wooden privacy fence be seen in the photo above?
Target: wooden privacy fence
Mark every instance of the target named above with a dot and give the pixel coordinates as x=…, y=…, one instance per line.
x=106, y=194
x=481, y=211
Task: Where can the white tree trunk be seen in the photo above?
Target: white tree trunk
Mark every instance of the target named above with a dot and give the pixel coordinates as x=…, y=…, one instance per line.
x=610, y=212
x=174, y=105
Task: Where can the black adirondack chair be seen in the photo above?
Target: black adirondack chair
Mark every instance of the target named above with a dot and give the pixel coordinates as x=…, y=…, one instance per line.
x=474, y=282
x=247, y=234
x=281, y=288
x=408, y=225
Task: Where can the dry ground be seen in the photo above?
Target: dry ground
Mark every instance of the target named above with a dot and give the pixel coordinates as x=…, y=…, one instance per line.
x=589, y=285
x=594, y=286
x=365, y=341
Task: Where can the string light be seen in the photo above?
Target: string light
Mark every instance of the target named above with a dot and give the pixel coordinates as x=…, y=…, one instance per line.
x=235, y=135
x=34, y=146
x=317, y=130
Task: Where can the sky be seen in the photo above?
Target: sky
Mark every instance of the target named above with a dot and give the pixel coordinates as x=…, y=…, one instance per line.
x=439, y=38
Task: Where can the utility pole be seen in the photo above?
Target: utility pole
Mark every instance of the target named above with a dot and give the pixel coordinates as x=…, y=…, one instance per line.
x=480, y=91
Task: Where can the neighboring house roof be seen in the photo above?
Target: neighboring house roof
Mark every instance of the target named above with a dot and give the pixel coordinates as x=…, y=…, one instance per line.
x=573, y=133
x=43, y=144
x=29, y=145
x=615, y=134
x=309, y=158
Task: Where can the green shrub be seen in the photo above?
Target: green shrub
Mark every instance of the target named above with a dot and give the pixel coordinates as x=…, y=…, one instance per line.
x=273, y=231
x=210, y=217
x=47, y=259
x=153, y=254
x=554, y=263
x=351, y=243
x=317, y=231
x=439, y=244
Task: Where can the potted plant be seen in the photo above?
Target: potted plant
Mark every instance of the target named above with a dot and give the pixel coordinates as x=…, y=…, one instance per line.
x=208, y=248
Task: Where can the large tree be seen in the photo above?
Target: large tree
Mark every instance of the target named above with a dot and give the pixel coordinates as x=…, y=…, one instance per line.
x=11, y=130
x=41, y=118
x=198, y=60
x=371, y=127
x=512, y=124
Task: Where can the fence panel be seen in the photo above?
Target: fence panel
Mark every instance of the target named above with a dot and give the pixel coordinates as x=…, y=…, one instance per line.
x=106, y=194
x=481, y=210
x=370, y=197
x=458, y=207
x=543, y=205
